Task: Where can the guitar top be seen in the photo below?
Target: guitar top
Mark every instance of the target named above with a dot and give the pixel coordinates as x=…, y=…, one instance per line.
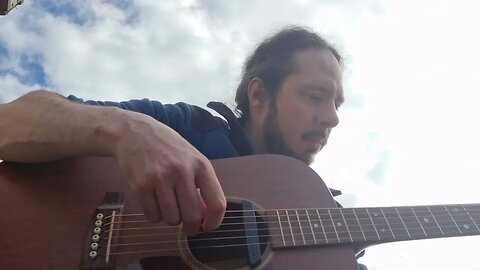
x=80, y=214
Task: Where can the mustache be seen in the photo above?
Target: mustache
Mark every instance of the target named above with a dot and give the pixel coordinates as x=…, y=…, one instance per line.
x=315, y=134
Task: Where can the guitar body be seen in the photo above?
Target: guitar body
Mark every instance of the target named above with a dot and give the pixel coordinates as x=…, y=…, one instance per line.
x=46, y=213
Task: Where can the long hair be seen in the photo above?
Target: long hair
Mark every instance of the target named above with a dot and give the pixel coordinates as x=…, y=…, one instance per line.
x=272, y=61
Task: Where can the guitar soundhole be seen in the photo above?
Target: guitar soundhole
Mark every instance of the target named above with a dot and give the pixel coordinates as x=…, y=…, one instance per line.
x=226, y=247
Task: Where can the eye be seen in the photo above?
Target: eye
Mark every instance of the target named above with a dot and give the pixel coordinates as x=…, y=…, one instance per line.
x=315, y=96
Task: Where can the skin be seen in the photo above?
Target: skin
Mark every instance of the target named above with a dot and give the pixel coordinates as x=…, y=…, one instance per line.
x=298, y=120
x=172, y=180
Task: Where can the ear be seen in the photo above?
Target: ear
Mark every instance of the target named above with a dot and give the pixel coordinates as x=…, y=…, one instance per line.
x=258, y=97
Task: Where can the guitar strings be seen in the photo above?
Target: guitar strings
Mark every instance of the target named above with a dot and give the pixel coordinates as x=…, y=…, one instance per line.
x=415, y=207
x=313, y=238
x=315, y=217
x=308, y=229
x=339, y=219
x=337, y=223
x=454, y=221
x=294, y=227
x=340, y=240
x=341, y=211
x=391, y=234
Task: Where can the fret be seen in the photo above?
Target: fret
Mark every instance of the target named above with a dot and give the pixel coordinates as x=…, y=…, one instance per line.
x=465, y=224
x=359, y=226
x=403, y=223
x=290, y=227
x=353, y=225
x=421, y=226
x=300, y=226
x=470, y=217
x=445, y=220
x=346, y=225
x=327, y=226
x=317, y=226
x=380, y=224
x=281, y=228
x=426, y=220
x=286, y=231
x=414, y=228
x=338, y=221
x=453, y=219
x=439, y=227
x=305, y=227
x=389, y=227
x=474, y=212
x=366, y=224
x=333, y=224
x=311, y=227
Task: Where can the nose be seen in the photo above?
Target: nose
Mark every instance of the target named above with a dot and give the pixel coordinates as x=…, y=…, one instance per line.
x=327, y=116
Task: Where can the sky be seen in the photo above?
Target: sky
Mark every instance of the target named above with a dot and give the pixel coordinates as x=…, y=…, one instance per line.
x=407, y=132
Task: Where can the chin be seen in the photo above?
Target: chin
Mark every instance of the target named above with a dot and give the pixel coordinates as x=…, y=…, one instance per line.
x=306, y=158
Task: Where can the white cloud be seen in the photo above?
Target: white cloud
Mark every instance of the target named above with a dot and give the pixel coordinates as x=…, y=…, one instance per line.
x=412, y=80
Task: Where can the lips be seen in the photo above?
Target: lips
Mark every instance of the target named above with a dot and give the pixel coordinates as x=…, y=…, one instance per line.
x=316, y=142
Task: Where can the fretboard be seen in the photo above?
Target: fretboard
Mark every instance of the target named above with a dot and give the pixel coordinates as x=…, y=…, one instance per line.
x=306, y=227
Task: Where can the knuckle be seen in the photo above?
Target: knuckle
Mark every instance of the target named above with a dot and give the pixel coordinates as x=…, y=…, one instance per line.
x=158, y=178
x=172, y=220
x=153, y=174
x=219, y=206
x=180, y=170
x=203, y=163
x=178, y=165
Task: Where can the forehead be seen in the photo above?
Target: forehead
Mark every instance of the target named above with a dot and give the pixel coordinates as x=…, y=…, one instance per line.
x=319, y=66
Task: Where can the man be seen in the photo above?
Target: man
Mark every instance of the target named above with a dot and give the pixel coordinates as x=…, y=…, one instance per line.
x=287, y=99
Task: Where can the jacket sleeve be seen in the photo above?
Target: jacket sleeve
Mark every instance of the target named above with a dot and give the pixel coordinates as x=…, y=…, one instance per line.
x=198, y=126
x=176, y=116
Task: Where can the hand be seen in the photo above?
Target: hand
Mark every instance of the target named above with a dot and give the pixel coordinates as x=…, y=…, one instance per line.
x=164, y=172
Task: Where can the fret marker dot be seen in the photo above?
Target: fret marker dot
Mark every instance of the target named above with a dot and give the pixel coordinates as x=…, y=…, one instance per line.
x=339, y=224
x=466, y=226
x=455, y=209
x=315, y=225
x=426, y=219
x=375, y=214
x=382, y=230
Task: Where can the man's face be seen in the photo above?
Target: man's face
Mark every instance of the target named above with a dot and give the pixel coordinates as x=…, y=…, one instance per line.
x=304, y=111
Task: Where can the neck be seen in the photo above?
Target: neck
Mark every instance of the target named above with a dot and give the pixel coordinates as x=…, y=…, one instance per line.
x=254, y=133
x=366, y=226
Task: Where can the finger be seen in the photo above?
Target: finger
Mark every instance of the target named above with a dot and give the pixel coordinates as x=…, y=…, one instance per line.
x=188, y=201
x=167, y=202
x=212, y=195
x=148, y=202
x=202, y=205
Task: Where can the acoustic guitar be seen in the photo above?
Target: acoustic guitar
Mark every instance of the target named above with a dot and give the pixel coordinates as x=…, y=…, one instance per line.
x=80, y=214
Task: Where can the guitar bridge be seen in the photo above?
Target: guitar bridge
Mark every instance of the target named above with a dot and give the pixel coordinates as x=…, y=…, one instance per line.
x=99, y=243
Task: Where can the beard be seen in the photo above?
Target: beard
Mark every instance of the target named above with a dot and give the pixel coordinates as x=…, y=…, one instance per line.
x=275, y=141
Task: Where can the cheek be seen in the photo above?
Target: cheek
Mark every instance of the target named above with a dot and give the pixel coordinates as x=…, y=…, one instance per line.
x=293, y=122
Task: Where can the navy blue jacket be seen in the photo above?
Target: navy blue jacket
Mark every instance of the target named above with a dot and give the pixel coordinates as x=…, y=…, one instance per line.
x=211, y=135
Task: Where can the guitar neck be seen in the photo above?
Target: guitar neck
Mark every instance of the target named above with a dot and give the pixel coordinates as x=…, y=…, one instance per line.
x=366, y=226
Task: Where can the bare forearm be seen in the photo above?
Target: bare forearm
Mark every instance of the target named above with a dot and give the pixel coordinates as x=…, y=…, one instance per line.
x=44, y=126
x=163, y=169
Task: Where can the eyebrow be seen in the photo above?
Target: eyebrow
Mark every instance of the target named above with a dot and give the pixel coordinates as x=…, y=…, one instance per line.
x=339, y=99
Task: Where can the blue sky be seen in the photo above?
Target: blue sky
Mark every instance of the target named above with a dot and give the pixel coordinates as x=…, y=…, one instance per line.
x=407, y=133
